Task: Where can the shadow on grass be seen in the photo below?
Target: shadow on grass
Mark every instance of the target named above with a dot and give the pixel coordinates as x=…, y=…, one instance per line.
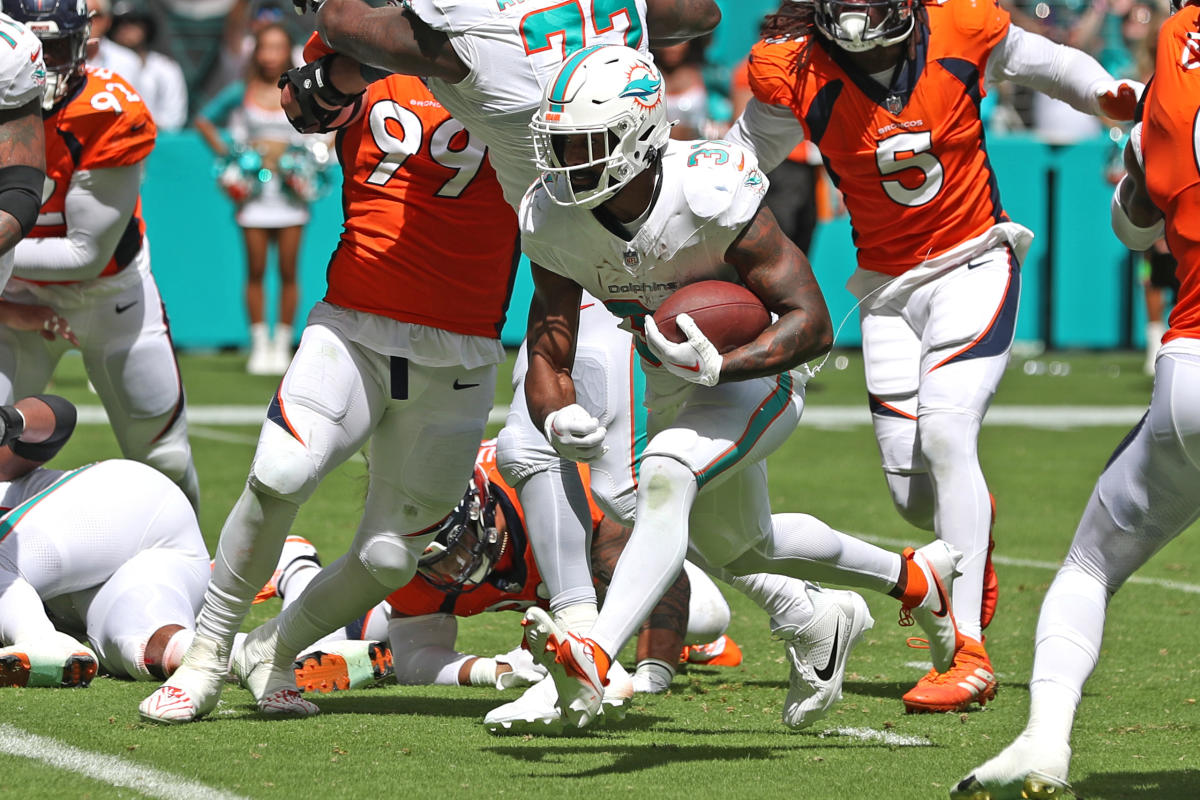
x=637, y=758
x=1174, y=785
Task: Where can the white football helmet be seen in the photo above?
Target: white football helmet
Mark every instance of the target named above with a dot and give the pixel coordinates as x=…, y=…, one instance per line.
x=606, y=89
x=848, y=22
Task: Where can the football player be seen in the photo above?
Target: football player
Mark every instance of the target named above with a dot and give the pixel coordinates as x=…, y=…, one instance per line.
x=88, y=258
x=1149, y=492
x=818, y=628
x=481, y=561
x=485, y=62
x=109, y=554
x=401, y=353
x=23, y=156
x=890, y=92
x=628, y=215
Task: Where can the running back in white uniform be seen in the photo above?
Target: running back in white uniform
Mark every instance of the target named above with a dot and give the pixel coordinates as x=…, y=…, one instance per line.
x=22, y=79
x=112, y=549
x=513, y=48
x=709, y=191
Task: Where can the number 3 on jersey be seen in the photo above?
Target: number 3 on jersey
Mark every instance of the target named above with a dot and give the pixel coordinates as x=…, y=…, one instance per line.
x=449, y=145
x=565, y=21
x=909, y=151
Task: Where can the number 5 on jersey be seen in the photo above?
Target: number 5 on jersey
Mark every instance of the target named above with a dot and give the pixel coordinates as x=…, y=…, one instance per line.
x=909, y=151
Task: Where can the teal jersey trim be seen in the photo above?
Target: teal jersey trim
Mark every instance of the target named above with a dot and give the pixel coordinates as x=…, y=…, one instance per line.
x=12, y=518
x=766, y=413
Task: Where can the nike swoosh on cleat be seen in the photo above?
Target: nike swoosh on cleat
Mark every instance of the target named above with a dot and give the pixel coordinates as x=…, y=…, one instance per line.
x=121, y=309
x=460, y=386
x=827, y=671
x=695, y=368
x=941, y=612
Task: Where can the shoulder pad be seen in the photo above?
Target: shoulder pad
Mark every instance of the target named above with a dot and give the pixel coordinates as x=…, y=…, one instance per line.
x=722, y=182
x=452, y=16
x=974, y=17
x=110, y=120
x=23, y=73
x=771, y=70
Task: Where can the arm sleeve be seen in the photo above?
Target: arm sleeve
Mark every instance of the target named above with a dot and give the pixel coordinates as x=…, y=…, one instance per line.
x=768, y=131
x=1061, y=72
x=99, y=205
x=220, y=108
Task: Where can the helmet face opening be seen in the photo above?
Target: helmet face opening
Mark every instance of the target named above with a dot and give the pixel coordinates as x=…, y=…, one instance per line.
x=860, y=25
x=601, y=122
x=63, y=26
x=468, y=545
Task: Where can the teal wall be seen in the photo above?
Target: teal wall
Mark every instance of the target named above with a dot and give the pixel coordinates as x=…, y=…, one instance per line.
x=199, y=265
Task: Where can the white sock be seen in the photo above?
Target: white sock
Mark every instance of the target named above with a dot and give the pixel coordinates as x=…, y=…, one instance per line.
x=247, y=553
x=1069, y=632
x=963, y=512
x=784, y=599
x=803, y=546
x=654, y=554
x=559, y=523
x=578, y=618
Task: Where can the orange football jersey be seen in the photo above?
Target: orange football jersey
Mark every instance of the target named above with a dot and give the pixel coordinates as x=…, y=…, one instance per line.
x=103, y=124
x=1171, y=148
x=513, y=582
x=910, y=159
x=428, y=238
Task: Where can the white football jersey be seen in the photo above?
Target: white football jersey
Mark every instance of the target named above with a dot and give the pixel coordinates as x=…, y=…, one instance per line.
x=22, y=73
x=709, y=191
x=513, y=48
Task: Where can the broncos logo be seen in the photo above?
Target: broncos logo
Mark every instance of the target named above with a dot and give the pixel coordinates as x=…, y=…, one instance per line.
x=644, y=87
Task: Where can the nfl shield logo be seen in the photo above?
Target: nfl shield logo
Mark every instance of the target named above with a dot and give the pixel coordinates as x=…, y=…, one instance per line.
x=632, y=258
x=894, y=105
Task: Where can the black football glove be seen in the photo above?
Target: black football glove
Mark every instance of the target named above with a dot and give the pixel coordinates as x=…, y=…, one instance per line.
x=12, y=424
x=303, y=6
x=306, y=85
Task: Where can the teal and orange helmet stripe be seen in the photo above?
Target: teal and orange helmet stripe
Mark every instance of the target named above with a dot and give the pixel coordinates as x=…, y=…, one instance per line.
x=558, y=94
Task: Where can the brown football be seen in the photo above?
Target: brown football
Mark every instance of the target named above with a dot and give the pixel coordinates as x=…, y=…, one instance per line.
x=728, y=314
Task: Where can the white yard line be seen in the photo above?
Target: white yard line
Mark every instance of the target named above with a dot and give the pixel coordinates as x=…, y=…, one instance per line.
x=106, y=769
x=1162, y=583
x=1045, y=417
x=883, y=737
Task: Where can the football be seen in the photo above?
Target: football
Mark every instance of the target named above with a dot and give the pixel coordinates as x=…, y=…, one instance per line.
x=728, y=314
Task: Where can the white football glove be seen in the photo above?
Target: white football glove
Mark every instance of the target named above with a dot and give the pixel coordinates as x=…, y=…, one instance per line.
x=695, y=360
x=525, y=671
x=1118, y=99
x=575, y=434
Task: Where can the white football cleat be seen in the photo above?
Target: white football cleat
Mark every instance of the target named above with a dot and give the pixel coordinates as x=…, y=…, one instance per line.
x=55, y=660
x=1028, y=769
x=274, y=687
x=818, y=653
x=192, y=690
x=939, y=562
x=535, y=711
x=578, y=666
x=617, y=694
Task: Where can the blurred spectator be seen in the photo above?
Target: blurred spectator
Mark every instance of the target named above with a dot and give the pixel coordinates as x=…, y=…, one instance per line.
x=687, y=100
x=256, y=177
x=107, y=54
x=197, y=29
x=160, y=80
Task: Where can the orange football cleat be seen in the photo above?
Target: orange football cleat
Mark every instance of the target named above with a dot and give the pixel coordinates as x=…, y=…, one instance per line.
x=720, y=652
x=969, y=680
x=351, y=664
x=991, y=584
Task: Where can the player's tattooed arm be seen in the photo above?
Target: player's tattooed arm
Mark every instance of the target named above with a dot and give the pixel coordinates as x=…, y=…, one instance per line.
x=550, y=343
x=672, y=21
x=772, y=267
x=662, y=633
x=22, y=144
x=390, y=38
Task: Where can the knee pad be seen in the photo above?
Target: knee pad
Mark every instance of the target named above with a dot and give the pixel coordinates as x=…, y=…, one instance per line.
x=661, y=475
x=948, y=437
x=521, y=451
x=912, y=495
x=172, y=458
x=283, y=467
x=391, y=559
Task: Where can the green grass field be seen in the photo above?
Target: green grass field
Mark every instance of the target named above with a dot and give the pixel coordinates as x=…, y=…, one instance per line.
x=717, y=733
